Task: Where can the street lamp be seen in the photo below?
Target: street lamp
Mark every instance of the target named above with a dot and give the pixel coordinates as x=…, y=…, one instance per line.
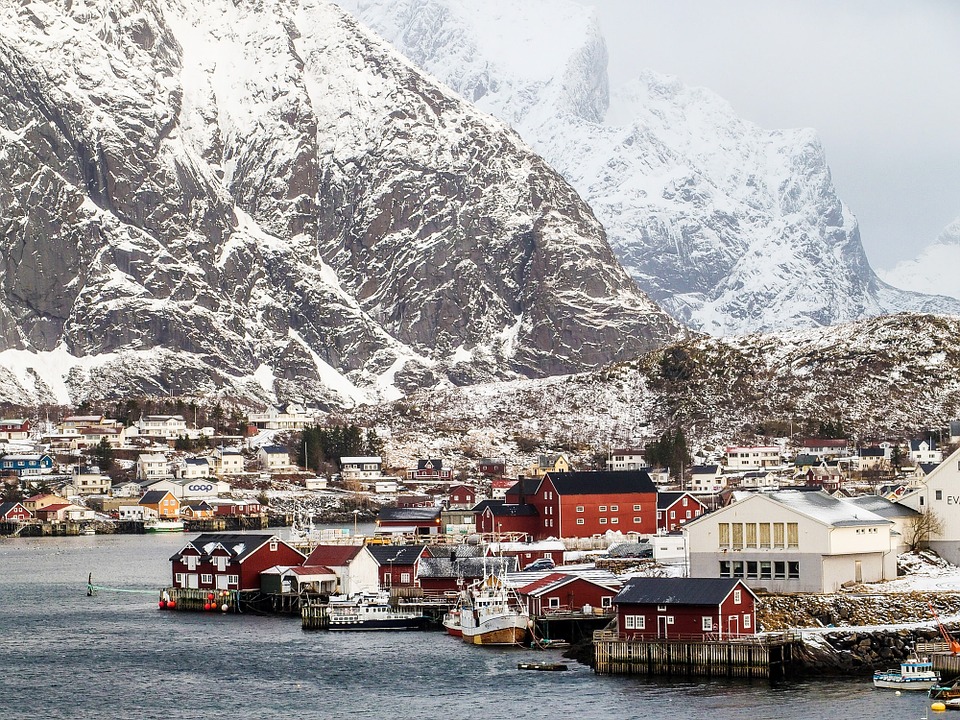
x=356, y=513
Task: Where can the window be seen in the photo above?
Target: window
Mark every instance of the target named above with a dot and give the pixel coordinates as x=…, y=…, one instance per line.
x=554, y=602
x=614, y=508
x=579, y=508
x=751, y=532
x=765, y=570
x=634, y=622
x=764, y=535
x=738, y=568
x=602, y=508
x=614, y=520
x=233, y=579
x=673, y=514
x=206, y=578
x=793, y=535
x=580, y=521
x=636, y=508
x=746, y=621
x=636, y=521
x=724, y=529
x=405, y=578
x=603, y=521
x=707, y=623
x=778, y=535
x=793, y=570
x=606, y=601
x=751, y=568
x=178, y=579
x=661, y=608
x=669, y=619
x=724, y=568
x=737, y=596
x=939, y=495
x=273, y=545
x=688, y=514
x=779, y=570
x=737, y=536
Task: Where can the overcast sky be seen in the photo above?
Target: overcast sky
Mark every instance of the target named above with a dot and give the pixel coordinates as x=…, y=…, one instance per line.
x=878, y=79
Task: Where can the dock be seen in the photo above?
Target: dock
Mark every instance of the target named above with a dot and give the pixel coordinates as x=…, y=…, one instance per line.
x=760, y=656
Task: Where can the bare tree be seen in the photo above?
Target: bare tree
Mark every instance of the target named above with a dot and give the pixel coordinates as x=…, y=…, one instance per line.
x=918, y=529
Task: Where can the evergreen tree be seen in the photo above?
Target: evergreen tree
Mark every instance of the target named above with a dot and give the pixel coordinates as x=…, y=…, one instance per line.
x=102, y=456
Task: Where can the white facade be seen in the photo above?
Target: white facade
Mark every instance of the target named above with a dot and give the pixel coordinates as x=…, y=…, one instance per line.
x=626, y=459
x=193, y=468
x=753, y=457
x=669, y=549
x=228, y=462
x=292, y=416
x=169, y=427
x=152, y=465
x=792, y=541
x=91, y=483
x=923, y=452
x=939, y=492
x=274, y=457
x=361, y=468
x=706, y=479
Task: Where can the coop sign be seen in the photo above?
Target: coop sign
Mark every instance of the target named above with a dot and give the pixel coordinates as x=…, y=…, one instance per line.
x=200, y=487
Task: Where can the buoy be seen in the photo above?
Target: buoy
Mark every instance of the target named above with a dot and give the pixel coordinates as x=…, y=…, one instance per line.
x=897, y=693
x=172, y=604
x=210, y=596
x=206, y=606
x=162, y=604
x=224, y=607
x=938, y=707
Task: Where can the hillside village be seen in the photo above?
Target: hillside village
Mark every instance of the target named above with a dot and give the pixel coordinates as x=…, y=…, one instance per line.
x=809, y=515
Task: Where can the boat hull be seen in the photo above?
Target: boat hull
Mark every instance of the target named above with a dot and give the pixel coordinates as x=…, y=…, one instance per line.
x=417, y=623
x=509, y=629
x=451, y=624
x=895, y=682
x=162, y=527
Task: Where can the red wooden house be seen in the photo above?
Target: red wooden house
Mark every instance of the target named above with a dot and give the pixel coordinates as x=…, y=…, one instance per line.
x=498, y=518
x=398, y=564
x=461, y=497
x=416, y=520
x=583, y=504
x=685, y=608
x=236, y=508
x=430, y=469
x=415, y=501
x=492, y=467
x=230, y=561
x=451, y=570
x=676, y=508
x=563, y=592
x=14, y=512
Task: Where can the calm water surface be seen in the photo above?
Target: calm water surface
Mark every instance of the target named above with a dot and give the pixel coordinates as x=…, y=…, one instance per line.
x=114, y=655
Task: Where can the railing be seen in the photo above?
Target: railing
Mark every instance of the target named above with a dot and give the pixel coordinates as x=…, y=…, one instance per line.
x=764, y=639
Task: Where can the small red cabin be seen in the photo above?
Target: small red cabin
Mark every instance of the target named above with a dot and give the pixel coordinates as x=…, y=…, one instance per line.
x=685, y=609
x=562, y=592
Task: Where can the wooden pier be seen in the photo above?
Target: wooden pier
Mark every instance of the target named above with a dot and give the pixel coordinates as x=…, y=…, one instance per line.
x=943, y=660
x=762, y=656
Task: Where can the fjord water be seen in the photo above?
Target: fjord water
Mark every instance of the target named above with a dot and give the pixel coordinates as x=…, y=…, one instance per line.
x=115, y=655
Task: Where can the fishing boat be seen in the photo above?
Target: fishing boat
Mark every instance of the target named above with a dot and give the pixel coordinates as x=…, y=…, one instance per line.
x=451, y=622
x=492, y=614
x=946, y=691
x=155, y=525
x=372, y=612
x=914, y=674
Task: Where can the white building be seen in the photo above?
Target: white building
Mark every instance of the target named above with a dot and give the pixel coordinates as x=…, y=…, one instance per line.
x=227, y=462
x=793, y=541
x=292, y=416
x=194, y=468
x=939, y=493
x=626, y=459
x=925, y=451
x=152, y=466
x=168, y=427
x=706, y=479
x=89, y=481
x=274, y=458
x=364, y=469
x=753, y=457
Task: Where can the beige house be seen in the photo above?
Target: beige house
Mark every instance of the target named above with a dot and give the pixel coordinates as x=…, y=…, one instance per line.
x=793, y=541
x=227, y=462
x=549, y=464
x=152, y=466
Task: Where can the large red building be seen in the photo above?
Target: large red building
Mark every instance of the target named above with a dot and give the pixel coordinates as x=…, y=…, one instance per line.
x=582, y=504
x=230, y=561
x=685, y=609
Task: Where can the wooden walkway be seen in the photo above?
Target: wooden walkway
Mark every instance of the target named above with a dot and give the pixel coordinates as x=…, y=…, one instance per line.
x=763, y=656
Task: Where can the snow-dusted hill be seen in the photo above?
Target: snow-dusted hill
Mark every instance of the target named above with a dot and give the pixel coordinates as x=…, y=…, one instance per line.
x=265, y=199
x=885, y=377
x=730, y=227
x=935, y=270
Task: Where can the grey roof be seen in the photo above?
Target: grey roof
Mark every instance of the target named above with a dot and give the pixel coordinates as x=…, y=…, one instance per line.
x=153, y=496
x=882, y=507
x=476, y=567
x=409, y=514
x=396, y=554
x=677, y=591
x=928, y=468
x=826, y=508
x=527, y=486
x=704, y=469
x=871, y=452
x=239, y=545
x=274, y=449
x=603, y=482
x=455, y=551
x=435, y=464
x=666, y=499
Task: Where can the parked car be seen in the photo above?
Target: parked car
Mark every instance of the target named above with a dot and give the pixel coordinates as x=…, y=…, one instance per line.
x=541, y=564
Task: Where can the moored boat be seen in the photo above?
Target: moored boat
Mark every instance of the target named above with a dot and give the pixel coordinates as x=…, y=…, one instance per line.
x=155, y=525
x=492, y=614
x=372, y=613
x=946, y=691
x=914, y=674
x=451, y=622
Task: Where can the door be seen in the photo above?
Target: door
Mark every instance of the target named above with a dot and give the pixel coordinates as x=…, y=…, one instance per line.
x=859, y=571
x=193, y=580
x=661, y=626
x=733, y=625
x=222, y=582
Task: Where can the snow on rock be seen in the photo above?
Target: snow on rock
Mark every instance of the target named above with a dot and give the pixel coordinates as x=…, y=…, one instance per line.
x=934, y=270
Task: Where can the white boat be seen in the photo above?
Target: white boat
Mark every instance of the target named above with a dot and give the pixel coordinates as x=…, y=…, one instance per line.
x=914, y=674
x=372, y=612
x=451, y=622
x=492, y=614
x=155, y=525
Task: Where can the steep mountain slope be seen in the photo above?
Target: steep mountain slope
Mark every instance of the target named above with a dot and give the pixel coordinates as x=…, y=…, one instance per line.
x=264, y=199
x=730, y=227
x=934, y=270
x=884, y=377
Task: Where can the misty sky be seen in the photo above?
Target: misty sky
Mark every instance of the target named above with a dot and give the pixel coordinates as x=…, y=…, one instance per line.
x=878, y=79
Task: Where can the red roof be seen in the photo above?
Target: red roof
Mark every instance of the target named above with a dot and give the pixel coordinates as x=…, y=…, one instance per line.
x=312, y=570
x=55, y=508
x=333, y=555
x=543, y=582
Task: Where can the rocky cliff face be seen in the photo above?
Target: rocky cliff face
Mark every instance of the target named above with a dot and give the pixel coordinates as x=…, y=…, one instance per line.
x=259, y=200
x=730, y=227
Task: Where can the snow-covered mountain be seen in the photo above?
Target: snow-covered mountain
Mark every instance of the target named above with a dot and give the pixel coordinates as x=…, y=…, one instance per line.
x=935, y=270
x=266, y=200
x=888, y=377
x=730, y=227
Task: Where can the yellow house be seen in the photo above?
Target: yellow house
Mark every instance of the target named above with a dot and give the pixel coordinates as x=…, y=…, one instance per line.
x=36, y=503
x=162, y=502
x=549, y=464
x=196, y=510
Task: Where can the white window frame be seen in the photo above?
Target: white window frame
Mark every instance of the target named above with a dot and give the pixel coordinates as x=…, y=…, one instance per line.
x=581, y=521
x=737, y=597
x=614, y=508
x=579, y=508
x=206, y=578
x=637, y=521
x=706, y=623
x=553, y=602
x=602, y=508
x=636, y=508
x=603, y=521
x=746, y=621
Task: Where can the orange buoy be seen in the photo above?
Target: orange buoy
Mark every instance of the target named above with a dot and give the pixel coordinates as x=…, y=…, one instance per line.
x=171, y=604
